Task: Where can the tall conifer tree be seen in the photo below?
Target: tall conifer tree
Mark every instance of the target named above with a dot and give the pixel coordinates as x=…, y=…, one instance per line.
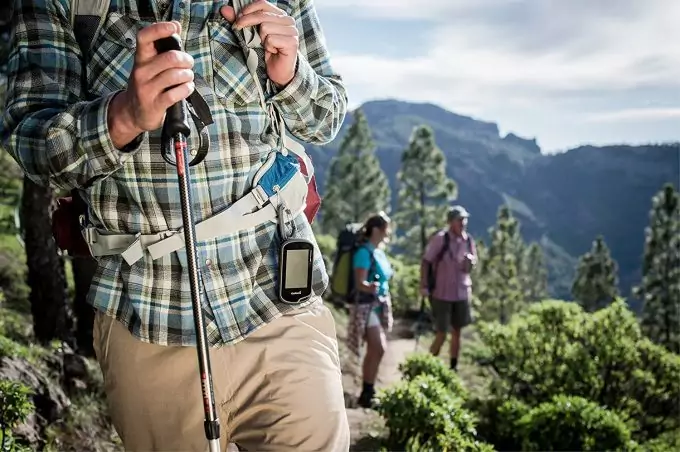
x=356, y=185
x=425, y=192
x=596, y=282
x=660, y=285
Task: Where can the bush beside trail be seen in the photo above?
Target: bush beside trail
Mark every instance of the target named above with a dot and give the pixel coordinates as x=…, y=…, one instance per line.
x=425, y=411
x=563, y=379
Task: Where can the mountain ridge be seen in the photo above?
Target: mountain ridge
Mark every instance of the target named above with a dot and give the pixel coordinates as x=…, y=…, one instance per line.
x=564, y=200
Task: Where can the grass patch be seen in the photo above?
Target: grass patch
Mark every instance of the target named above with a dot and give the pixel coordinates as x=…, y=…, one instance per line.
x=85, y=427
x=15, y=325
x=34, y=354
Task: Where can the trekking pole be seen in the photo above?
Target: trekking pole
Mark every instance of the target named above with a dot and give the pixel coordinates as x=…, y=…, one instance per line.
x=177, y=128
x=419, y=318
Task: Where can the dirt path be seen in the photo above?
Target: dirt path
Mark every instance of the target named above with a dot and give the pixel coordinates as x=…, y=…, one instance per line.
x=365, y=424
x=396, y=353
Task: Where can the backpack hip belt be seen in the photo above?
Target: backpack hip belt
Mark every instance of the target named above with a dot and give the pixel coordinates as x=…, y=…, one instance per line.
x=279, y=188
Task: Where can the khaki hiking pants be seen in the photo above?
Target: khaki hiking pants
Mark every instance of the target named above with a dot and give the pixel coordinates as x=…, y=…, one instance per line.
x=278, y=390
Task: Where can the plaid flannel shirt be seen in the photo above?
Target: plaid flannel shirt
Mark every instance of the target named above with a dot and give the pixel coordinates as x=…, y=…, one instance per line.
x=55, y=127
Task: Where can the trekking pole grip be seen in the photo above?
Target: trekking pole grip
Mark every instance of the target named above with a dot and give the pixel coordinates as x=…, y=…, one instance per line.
x=177, y=116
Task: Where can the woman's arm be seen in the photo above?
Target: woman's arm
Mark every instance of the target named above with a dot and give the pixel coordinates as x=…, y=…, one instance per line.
x=360, y=275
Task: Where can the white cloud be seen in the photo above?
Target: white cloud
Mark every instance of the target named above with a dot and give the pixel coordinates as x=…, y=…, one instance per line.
x=635, y=115
x=407, y=9
x=520, y=54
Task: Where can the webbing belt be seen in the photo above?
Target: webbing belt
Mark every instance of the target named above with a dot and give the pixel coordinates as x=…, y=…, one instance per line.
x=251, y=210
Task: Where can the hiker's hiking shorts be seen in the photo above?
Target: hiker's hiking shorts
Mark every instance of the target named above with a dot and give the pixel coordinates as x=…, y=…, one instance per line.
x=280, y=389
x=450, y=314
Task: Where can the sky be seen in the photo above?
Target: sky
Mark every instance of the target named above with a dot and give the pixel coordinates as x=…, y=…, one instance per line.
x=566, y=72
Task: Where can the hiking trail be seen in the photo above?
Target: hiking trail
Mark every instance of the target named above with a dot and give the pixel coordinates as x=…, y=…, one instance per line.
x=366, y=423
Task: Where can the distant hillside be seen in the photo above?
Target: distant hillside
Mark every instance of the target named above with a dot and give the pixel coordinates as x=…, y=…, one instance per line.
x=563, y=200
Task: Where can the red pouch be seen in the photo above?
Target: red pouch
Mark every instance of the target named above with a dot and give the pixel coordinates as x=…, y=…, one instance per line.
x=313, y=198
x=66, y=228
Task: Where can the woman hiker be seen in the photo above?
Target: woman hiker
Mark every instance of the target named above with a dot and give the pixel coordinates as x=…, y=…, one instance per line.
x=371, y=314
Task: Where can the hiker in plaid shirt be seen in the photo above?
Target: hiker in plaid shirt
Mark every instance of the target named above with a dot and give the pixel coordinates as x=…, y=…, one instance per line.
x=275, y=366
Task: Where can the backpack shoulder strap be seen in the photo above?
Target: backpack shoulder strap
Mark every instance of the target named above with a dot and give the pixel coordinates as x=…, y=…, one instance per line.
x=445, y=247
x=374, y=263
x=87, y=17
x=249, y=41
x=370, y=255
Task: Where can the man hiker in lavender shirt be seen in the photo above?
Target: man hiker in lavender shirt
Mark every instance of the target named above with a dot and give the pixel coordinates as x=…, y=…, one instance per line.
x=445, y=278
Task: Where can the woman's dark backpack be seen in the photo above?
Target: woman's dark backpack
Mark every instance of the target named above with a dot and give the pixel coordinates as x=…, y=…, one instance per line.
x=342, y=284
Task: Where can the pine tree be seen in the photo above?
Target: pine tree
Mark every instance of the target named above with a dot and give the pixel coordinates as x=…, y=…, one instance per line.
x=356, y=185
x=534, y=274
x=500, y=293
x=425, y=192
x=596, y=282
x=660, y=285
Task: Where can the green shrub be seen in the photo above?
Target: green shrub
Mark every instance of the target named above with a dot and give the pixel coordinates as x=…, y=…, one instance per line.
x=657, y=390
x=451, y=440
x=12, y=349
x=422, y=413
x=404, y=287
x=15, y=407
x=14, y=325
x=555, y=348
x=498, y=420
x=419, y=364
x=13, y=272
x=665, y=442
x=572, y=423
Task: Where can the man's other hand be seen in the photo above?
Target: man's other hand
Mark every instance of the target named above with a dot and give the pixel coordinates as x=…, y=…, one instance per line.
x=278, y=33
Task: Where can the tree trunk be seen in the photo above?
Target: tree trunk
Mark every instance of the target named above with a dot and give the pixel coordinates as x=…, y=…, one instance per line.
x=83, y=271
x=46, y=278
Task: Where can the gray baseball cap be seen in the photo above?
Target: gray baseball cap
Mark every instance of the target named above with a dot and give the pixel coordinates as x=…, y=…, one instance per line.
x=457, y=212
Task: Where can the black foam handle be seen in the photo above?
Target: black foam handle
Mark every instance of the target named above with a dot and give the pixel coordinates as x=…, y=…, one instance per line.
x=177, y=116
x=177, y=119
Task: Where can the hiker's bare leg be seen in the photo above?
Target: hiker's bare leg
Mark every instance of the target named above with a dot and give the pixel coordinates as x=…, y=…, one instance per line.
x=376, y=343
x=460, y=318
x=439, y=338
x=455, y=342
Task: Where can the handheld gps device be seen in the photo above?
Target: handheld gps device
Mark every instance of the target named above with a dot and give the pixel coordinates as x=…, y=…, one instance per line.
x=295, y=270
